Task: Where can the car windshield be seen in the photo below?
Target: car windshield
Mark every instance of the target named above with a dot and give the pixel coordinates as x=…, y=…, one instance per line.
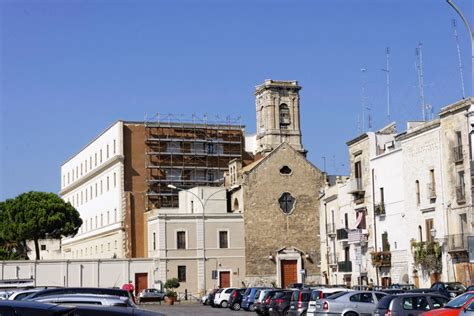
x=459, y=301
x=247, y=291
x=456, y=286
x=337, y=295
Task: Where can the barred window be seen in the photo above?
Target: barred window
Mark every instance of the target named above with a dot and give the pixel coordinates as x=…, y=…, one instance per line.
x=181, y=240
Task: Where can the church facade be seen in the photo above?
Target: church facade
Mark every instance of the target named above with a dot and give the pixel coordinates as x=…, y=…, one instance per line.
x=279, y=194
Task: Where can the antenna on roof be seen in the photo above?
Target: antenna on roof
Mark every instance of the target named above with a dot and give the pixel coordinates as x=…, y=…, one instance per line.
x=387, y=71
x=364, y=96
x=419, y=68
x=459, y=58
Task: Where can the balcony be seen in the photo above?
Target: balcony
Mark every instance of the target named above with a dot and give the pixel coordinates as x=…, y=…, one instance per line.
x=461, y=194
x=457, y=154
x=431, y=191
x=457, y=242
x=331, y=230
x=357, y=236
x=382, y=259
x=355, y=186
x=342, y=234
x=379, y=209
x=344, y=266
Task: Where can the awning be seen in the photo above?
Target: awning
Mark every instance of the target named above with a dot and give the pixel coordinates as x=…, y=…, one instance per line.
x=360, y=216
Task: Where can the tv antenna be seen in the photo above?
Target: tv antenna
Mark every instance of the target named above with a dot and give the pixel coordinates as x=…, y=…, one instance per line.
x=364, y=96
x=419, y=68
x=459, y=58
x=387, y=71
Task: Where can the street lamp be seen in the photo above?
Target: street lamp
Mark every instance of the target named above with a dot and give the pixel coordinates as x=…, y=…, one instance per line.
x=468, y=26
x=203, y=204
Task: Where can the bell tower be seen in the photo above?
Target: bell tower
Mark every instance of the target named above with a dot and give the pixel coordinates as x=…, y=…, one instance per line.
x=278, y=115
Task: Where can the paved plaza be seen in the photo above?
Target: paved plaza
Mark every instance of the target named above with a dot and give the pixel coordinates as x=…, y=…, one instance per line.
x=190, y=308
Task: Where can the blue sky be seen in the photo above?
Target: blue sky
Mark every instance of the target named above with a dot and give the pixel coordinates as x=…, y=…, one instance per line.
x=68, y=69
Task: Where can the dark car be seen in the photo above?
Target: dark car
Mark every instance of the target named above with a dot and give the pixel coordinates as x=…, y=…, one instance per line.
x=262, y=307
x=409, y=304
x=235, y=299
x=299, y=302
x=455, y=287
x=442, y=288
x=280, y=303
x=12, y=308
x=213, y=295
x=248, y=298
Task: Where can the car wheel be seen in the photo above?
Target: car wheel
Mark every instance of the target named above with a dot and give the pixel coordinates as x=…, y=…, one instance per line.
x=350, y=314
x=224, y=304
x=236, y=306
x=252, y=308
x=285, y=312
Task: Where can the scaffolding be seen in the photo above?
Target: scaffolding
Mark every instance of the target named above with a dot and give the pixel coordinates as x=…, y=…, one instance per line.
x=188, y=153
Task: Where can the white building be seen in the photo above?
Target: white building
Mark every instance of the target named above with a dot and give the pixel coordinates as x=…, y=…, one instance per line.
x=92, y=181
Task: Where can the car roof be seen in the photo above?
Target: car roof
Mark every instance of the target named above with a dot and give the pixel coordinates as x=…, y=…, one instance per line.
x=28, y=304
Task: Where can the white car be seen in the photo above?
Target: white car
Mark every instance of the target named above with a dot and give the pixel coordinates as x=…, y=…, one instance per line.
x=321, y=293
x=20, y=295
x=222, y=299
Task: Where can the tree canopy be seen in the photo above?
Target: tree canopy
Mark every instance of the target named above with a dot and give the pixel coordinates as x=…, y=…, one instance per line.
x=34, y=216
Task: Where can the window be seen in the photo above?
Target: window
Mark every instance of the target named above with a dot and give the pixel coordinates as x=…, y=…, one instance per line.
x=420, y=233
x=107, y=151
x=96, y=190
x=382, y=198
x=95, y=164
x=429, y=226
x=438, y=302
x=461, y=188
x=101, y=247
x=223, y=239
x=154, y=241
x=43, y=247
x=181, y=240
x=100, y=156
x=284, y=116
x=182, y=273
x=101, y=187
x=115, y=180
x=285, y=170
x=362, y=297
x=85, y=165
x=417, y=188
x=287, y=203
x=68, y=178
x=91, y=192
x=415, y=303
x=385, y=243
x=192, y=206
x=174, y=147
x=90, y=162
x=101, y=220
x=432, y=185
x=211, y=149
x=346, y=221
x=108, y=217
x=81, y=168
x=114, y=146
x=358, y=170
x=116, y=244
x=96, y=250
x=115, y=215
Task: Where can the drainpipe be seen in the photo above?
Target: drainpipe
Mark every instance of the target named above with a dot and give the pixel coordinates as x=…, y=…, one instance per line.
x=375, y=224
x=327, y=238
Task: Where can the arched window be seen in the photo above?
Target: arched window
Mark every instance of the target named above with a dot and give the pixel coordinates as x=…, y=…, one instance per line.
x=285, y=170
x=284, y=116
x=236, y=205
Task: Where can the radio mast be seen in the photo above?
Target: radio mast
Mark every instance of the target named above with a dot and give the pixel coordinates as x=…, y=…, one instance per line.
x=387, y=71
x=419, y=67
x=459, y=58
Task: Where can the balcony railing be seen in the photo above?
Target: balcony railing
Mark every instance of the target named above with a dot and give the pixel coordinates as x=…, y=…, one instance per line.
x=330, y=229
x=379, y=209
x=342, y=234
x=355, y=186
x=457, y=153
x=457, y=242
x=461, y=193
x=431, y=191
x=344, y=266
x=381, y=259
x=356, y=236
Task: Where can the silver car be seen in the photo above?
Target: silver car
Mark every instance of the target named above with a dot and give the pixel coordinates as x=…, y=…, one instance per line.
x=87, y=299
x=349, y=303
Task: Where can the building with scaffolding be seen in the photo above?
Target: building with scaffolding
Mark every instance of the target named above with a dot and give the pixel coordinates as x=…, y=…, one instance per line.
x=125, y=171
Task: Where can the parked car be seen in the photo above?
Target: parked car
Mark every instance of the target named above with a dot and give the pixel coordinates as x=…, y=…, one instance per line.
x=348, y=303
x=20, y=295
x=468, y=310
x=12, y=308
x=280, y=303
x=5, y=295
x=249, y=297
x=150, y=295
x=321, y=293
x=455, y=307
x=87, y=299
x=235, y=299
x=299, y=302
x=90, y=310
x=455, y=287
x=259, y=296
x=409, y=304
x=222, y=297
x=211, y=295
x=262, y=307
x=441, y=288
x=80, y=290
x=406, y=287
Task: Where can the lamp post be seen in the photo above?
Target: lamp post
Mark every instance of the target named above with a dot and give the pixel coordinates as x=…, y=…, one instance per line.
x=203, y=203
x=469, y=29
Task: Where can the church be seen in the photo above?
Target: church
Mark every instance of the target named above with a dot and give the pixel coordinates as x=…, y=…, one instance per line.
x=278, y=194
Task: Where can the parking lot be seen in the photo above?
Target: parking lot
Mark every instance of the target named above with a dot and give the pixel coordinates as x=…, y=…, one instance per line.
x=191, y=308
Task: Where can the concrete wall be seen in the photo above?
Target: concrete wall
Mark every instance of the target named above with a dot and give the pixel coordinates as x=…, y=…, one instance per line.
x=80, y=273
